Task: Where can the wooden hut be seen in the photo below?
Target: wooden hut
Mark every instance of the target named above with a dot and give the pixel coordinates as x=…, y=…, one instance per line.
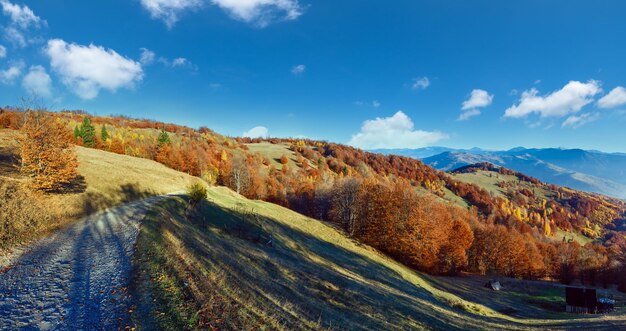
x=581, y=300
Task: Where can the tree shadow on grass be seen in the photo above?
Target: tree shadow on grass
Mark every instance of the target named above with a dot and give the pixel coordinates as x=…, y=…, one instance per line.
x=299, y=277
x=9, y=163
x=90, y=259
x=102, y=265
x=95, y=201
x=78, y=185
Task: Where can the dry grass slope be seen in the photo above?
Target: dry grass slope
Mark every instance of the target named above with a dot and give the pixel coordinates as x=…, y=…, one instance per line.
x=273, y=152
x=247, y=265
x=107, y=179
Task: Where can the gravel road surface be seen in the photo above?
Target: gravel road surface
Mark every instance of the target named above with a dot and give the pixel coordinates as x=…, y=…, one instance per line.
x=76, y=279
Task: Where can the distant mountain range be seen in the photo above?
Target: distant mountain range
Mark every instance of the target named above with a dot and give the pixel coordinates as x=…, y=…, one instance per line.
x=586, y=170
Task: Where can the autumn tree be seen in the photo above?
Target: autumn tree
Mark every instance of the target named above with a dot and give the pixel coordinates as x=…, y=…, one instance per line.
x=343, y=204
x=284, y=160
x=568, y=253
x=239, y=178
x=117, y=146
x=453, y=253
x=46, y=153
x=210, y=174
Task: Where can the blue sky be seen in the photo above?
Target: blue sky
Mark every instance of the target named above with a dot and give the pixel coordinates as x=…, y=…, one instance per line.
x=492, y=74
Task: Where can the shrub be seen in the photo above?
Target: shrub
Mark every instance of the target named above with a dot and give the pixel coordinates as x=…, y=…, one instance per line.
x=9, y=119
x=163, y=138
x=196, y=192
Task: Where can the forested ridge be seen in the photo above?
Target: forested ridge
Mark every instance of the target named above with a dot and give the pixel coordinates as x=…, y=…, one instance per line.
x=395, y=204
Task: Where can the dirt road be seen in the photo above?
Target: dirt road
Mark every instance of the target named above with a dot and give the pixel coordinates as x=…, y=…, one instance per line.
x=78, y=277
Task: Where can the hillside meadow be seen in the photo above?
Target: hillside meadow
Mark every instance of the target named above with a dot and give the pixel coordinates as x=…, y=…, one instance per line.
x=234, y=263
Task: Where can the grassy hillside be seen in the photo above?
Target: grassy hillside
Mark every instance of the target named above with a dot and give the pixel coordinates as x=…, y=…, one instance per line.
x=274, y=152
x=106, y=179
x=575, y=215
x=242, y=264
x=489, y=180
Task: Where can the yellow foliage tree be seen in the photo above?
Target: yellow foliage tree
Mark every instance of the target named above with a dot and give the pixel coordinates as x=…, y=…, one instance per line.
x=547, y=229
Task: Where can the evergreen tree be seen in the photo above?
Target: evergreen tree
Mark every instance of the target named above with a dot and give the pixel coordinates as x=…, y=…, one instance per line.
x=163, y=138
x=104, y=135
x=88, y=133
x=76, y=132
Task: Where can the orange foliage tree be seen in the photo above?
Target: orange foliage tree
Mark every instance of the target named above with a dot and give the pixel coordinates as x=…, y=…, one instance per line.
x=46, y=152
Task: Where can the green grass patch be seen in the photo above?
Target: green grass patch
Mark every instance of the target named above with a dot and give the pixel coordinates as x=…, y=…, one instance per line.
x=488, y=180
x=274, y=152
x=577, y=237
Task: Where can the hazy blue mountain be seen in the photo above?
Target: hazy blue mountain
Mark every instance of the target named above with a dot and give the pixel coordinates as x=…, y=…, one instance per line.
x=591, y=171
x=421, y=153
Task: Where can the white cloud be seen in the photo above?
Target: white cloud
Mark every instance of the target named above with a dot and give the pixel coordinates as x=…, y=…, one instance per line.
x=256, y=132
x=373, y=103
x=478, y=99
x=576, y=121
x=261, y=12
x=89, y=69
x=37, y=82
x=420, y=83
x=147, y=56
x=21, y=16
x=3, y=52
x=15, y=37
x=569, y=99
x=397, y=131
x=180, y=62
x=169, y=10
x=9, y=75
x=299, y=69
x=615, y=98
x=467, y=114
x=257, y=12
x=22, y=19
